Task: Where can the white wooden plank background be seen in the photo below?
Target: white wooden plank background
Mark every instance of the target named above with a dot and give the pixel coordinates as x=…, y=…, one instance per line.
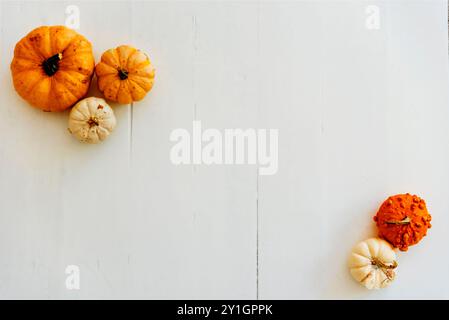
x=361, y=114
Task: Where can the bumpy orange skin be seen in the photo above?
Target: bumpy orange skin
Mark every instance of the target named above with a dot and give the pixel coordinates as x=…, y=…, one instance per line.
x=403, y=220
x=125, y=74
x=71, y=79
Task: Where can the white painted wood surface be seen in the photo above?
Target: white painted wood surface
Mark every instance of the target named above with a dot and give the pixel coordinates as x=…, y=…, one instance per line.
x=361, y=114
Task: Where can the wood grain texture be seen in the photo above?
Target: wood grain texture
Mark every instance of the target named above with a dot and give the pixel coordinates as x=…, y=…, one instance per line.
x=361, y=115
x=363, y=118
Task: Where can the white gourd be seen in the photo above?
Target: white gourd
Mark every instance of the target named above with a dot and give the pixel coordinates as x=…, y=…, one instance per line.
x=91, y=120
x=373, y=264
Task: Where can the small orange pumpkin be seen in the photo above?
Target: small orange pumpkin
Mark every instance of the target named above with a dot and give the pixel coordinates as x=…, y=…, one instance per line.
x=52, y=67
x=125, y=74
x=403, y=220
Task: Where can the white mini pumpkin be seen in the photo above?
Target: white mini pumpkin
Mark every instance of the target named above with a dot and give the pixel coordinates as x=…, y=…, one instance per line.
x=91, y=120
x=372, y=263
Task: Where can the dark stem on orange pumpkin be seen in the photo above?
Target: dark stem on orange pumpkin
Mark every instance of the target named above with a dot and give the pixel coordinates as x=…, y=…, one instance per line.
x=51, y=65
x=123, y=74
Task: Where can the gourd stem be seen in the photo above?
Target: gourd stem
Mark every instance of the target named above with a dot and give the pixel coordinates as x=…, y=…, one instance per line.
x=51, y=65
x=123, y=74
x=406, y=220
x=92, y=122
x=383, y=265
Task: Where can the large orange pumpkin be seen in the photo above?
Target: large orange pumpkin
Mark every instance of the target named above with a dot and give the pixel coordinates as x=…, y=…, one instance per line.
x=125, y=74
x=52, y=67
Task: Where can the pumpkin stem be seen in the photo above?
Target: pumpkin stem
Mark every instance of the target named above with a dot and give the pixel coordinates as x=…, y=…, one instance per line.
x=123, y=74
x=382, y=265
x=406, y=220
x=93, y=122
x=386, y=269
x=51, y=65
